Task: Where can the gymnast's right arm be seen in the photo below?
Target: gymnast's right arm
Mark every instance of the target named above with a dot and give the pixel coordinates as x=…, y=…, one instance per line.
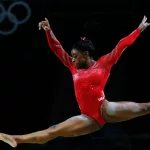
x=55, y=45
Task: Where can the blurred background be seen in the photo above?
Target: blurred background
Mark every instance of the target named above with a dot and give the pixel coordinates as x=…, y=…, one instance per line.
x=36, y=89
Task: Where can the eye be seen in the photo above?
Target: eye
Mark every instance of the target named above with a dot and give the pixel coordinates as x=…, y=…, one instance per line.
x=74, y=56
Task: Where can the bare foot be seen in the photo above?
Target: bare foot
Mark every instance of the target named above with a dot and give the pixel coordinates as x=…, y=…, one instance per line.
x=8, y=139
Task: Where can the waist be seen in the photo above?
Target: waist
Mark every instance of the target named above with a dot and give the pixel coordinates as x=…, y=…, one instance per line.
x=89, y=92
x=87, y=97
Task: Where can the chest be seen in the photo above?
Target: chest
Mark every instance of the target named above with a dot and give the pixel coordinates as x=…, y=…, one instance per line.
x=90, y=76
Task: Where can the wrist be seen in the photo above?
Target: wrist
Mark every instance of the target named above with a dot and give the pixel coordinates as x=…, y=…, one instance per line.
x=46, y=28
x=142, y=27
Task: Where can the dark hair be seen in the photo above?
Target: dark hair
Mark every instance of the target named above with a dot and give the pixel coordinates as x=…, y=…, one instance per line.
x=84, y=45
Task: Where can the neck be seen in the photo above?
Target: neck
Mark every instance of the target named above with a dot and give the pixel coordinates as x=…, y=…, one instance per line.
x=90, y=61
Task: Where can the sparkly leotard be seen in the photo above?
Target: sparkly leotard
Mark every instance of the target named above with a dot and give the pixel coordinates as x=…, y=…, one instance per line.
x=89, y=83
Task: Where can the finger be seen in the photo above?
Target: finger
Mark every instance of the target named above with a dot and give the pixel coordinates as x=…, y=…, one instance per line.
x=148, y=24
x=40, y=26
x=42, y=23
x=46, y=19
x=45, y=28
x=144, y=19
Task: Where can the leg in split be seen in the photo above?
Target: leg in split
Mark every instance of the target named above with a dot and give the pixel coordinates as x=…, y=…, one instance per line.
x=75, y=126
x=123, y=111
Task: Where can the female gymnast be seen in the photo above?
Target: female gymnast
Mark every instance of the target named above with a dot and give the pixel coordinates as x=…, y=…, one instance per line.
x=89, y=77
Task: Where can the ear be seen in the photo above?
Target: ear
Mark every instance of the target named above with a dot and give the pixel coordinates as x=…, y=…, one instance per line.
x=86, y=54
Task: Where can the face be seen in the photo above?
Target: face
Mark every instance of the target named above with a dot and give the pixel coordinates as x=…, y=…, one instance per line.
x=79, y=58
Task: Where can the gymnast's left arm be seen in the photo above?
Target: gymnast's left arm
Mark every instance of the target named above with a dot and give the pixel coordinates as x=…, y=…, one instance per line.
x=112, y=57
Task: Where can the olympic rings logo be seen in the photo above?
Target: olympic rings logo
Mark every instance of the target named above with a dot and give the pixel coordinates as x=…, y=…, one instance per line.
x=12, y=18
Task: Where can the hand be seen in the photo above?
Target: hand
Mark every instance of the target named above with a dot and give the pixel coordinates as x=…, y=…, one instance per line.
x=9, y=139
x=144, y=24
x=44, y=24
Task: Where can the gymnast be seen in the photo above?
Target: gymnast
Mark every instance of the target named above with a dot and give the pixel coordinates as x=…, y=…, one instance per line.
x=89, y=78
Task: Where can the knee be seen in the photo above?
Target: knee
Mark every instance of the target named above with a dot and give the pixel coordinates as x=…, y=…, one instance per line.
x=140, y=107
x=111, y=108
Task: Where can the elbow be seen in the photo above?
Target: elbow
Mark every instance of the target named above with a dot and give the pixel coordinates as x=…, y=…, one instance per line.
x=125, y=43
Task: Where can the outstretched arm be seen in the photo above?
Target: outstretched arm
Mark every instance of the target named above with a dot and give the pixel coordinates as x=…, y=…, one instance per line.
x=55, y=45
x=112, y=57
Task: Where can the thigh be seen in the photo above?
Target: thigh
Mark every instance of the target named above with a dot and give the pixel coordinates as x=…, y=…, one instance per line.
x=119, y=111
x=76, y=126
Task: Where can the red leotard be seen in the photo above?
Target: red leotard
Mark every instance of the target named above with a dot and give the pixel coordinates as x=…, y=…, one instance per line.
x=89, y=83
